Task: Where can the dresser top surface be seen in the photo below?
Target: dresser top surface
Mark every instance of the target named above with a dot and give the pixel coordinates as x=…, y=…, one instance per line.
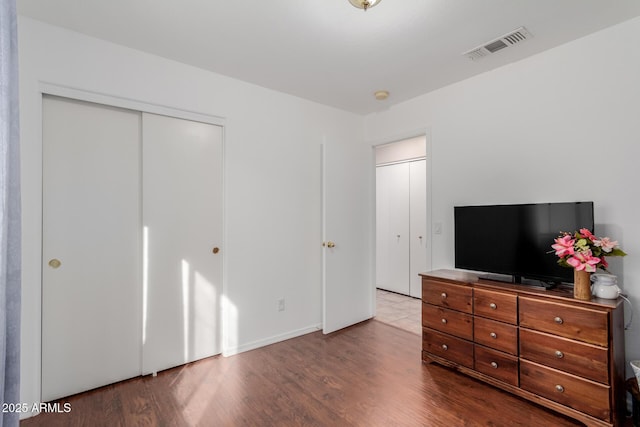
x=562, y=293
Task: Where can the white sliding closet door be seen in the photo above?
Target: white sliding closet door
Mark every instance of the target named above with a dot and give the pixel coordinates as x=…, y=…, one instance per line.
x=401, y=226
x=91, y=251
x=418, y=237
x=392, y=227
x=182, y=229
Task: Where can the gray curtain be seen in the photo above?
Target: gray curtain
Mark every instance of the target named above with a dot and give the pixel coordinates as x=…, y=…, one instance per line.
x=10, y=269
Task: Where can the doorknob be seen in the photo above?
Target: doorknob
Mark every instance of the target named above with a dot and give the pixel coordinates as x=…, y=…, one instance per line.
x=55, y=263
x=216, y=250
x=329, y=244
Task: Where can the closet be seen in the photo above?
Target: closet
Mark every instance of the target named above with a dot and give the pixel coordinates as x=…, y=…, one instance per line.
x=132, y=224
x=401, y=220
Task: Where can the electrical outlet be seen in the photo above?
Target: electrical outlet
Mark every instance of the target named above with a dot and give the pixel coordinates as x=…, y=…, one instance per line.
x=281, y=304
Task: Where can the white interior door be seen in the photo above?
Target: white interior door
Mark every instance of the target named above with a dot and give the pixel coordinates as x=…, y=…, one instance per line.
x=347, y=201
x=392, y=227
x=418, y=239
x=91, y=246
x=182, y=228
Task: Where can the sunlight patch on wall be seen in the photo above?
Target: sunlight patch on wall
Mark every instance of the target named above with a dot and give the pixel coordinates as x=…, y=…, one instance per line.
x=230, y=329
x=185, y=309
x=145, y=281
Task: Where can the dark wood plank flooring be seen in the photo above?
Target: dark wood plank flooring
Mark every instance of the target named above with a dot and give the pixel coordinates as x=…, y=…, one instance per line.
x=367, y=375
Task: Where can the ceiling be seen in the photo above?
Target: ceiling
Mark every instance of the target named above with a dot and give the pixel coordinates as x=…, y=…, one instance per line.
x=328, y=51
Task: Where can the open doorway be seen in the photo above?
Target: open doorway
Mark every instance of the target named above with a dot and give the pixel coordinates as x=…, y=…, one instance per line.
x=402, y=238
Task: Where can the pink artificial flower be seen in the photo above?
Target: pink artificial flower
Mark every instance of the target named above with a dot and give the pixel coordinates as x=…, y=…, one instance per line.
x=585, y=232
x=584, y=260
x=564, y=245
x=606, y=244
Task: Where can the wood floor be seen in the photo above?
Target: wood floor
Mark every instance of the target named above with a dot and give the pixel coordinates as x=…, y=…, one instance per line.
x=367, y=375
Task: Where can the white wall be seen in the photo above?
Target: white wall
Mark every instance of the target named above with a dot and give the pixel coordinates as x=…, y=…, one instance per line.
x=272, y=178
x=559, y=126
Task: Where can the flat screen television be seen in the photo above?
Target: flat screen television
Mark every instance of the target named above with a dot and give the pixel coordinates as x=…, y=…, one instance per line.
x=516, y=240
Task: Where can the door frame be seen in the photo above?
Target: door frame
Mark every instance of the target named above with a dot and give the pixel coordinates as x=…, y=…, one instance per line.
x=144, y=107
x=426, y=132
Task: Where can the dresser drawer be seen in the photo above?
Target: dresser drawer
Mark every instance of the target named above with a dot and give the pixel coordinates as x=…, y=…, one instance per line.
x=496, y=305
x=569, y=390
x=455, y=297
x=585, y=360
x=445, y=320
x=448, y=347
x=496, y=364
x=497, y=335
x=579, y=323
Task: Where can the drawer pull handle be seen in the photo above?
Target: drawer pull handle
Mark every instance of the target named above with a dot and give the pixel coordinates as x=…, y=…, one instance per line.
x=443, y=295
x=444, y=321
x=559, y=388
x=558, y=320
x=559, y=354
x=493, y=306
x=445, y=347
x=493, y=335
x=494, y=365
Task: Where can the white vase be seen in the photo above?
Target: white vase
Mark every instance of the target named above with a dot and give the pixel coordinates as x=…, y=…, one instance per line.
x=604, y=286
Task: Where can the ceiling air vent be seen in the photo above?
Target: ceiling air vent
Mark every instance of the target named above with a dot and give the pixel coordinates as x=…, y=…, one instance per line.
x=514, y=37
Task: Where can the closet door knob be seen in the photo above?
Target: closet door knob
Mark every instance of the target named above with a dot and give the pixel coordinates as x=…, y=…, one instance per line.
x=55, y=263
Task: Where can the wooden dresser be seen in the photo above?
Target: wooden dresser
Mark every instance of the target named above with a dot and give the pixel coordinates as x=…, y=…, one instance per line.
x=542, y=345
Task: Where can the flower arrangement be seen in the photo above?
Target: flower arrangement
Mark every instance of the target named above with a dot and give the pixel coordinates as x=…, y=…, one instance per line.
x=582, y=250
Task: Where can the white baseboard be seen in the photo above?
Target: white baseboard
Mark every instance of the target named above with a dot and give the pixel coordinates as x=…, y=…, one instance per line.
x=270, y=340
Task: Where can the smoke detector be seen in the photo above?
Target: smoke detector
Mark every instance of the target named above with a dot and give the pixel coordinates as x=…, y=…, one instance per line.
x=514, y=37
x=381, y=95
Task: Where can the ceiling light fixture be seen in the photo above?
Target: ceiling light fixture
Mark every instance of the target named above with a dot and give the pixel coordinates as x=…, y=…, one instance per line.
x=364, y=4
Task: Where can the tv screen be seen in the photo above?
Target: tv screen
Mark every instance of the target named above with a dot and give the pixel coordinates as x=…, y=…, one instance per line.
x=516, y=239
